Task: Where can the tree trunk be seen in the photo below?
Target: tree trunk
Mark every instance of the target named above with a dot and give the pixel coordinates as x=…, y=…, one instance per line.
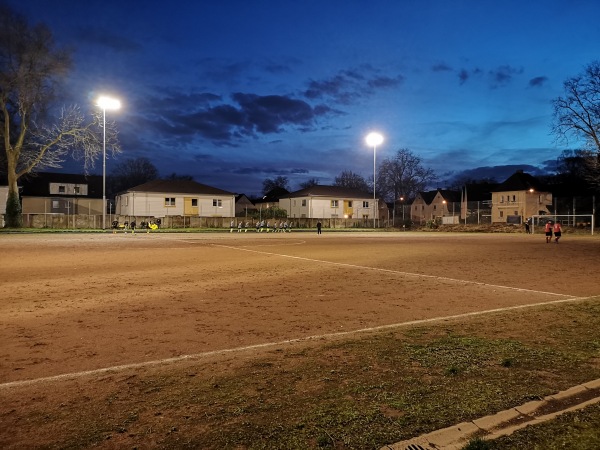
x=14, y=215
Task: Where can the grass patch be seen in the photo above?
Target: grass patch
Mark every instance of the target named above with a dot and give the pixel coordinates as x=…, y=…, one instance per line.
x=349, y=394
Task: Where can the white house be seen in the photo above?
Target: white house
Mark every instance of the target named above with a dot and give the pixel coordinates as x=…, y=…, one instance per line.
x=328, y=202
x=162, y=198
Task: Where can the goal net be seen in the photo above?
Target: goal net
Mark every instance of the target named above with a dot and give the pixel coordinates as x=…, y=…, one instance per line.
x=581, y=222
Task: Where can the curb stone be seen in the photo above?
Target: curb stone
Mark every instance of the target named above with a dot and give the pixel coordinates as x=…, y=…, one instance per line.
x=505, y=422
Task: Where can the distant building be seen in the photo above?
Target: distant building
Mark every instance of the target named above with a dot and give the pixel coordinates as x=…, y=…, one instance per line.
x=161, y=198
x=271, y=198
x=61, y=193
x=328, y=202
x=519, y=197
x=441, y=204
x=243, y=205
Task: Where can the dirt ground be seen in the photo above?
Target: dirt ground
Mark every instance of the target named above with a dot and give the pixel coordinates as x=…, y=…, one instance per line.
x=82, y=307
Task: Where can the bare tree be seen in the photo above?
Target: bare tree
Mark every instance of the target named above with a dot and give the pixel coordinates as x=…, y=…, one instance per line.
x=309, y=183
x=31, y=69
x=577, y=115
x=132, y=172
x=351, y=180
x=176, y=176
x=278, y=182
x=402, y=176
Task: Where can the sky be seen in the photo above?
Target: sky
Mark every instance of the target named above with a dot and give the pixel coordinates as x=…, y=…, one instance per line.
x=233, y=92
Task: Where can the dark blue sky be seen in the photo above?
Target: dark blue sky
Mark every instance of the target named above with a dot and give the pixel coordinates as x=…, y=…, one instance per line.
x=233, y=92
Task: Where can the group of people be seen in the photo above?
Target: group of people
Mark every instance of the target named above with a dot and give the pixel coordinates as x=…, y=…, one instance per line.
x=261, y=226
x=551, y=228
x=133, y=225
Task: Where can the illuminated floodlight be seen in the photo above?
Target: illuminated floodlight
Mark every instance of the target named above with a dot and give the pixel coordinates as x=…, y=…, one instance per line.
x=110, y=104
x=373, y=140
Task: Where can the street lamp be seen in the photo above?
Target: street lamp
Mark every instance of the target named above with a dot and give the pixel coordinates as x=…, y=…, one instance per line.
x=402, y=203
x=111, y=104
x=373, y=140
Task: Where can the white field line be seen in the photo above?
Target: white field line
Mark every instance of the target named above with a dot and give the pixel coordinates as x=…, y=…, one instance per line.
x=396, y=272
x=195, y=356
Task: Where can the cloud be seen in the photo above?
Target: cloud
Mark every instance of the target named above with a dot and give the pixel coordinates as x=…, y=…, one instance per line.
x=347, y=86
x=441, y=67
x=180, y=118
x=465, y=74
x=270, y=113
x=503, y=75
x=538, y=81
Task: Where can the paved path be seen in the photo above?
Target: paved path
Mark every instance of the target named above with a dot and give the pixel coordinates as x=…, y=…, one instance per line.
x=505, y=422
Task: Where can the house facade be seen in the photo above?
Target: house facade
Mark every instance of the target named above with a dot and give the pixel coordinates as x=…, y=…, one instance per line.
x=519, y=197
x=60, y=193
x=162, y=198
x=243, y=205
x=329, y=202
x=439, y=205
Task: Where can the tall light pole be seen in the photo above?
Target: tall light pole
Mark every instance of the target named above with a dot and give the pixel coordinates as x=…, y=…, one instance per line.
x=111, y=104
x=373, y=140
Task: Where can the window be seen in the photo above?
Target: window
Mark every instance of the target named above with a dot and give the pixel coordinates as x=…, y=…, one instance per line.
x=350, y=204
x=434, y=207
x=502, y=199
x=514, y=198
x=501, y=213
x=304, y=202
x=365, y=204
x=62, y=189
x=334, y=203
x=217, y=202
x=194, y=202
x=126, y=201
x=55, y=204
x=76, y=190
x=169, y=201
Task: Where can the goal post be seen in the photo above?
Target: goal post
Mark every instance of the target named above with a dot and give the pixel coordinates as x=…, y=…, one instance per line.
x=583, y=222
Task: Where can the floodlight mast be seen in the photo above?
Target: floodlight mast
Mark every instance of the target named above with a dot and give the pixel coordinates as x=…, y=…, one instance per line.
x=111, y=104
x=373, y=140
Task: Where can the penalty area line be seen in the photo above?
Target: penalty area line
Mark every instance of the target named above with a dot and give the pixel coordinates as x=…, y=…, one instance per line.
x=196, y=356
x=396, y=272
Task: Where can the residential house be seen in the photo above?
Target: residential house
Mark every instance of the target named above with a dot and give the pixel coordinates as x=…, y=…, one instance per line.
x=61, y=193
x=328, y=202
x=161, y=198
x=519, y=197
x=270, y=199
x=440, y=205
x=243, y=205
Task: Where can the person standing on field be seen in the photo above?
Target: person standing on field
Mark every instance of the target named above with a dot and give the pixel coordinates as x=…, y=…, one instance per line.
x=319, y=227
x=557, y=229
x=548, y=230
